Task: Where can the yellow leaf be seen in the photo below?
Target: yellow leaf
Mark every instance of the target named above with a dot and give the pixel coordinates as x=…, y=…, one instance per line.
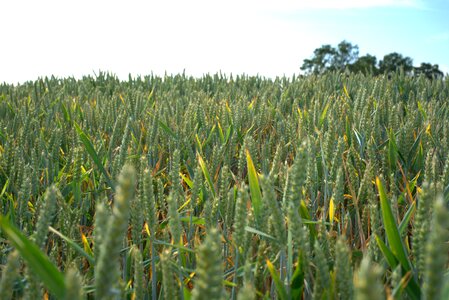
x=147, y=230
x=86, y=245
x=428, y=131
x=346, y=91
x=331, y=210
x=251, y=105
x=227, y=107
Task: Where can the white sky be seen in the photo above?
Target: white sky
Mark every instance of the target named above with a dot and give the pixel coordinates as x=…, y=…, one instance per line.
x=66, y=38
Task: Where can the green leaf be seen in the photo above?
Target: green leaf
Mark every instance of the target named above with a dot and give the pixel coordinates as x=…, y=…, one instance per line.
x=229, y=133
x=5, y=186
x=348, y=130
x=66, y=113
x=306, y=219
x=93, y=154
x=413, y=150
x=209, y=137
x=256, y=194
x=406, y=220
x=186, y=180
x=258, y=232
x=323, y=115
x=392, y=151
x=297, y=284
x=280, y=288
x=74, y=245
x=194, y=220
x=422, y=111
x=220, y=132
x=206, y=174
x=394, y=239
x=36, y=260
x=395, y=242
x=176, y=246
x=389, y=256
x=167, y=129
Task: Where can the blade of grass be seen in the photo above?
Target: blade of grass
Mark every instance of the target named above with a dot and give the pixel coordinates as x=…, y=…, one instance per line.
x=280, y=288
x=206, y=174
x=258, y=232
x=256, y=194
x=392, y=151
x=408, y=215
x=394, y=240
x=389, y=256
x=167, y=129
x=39, y=263
x=391, y=228
x=411, y=287
x=74, y=245
x=93, y=154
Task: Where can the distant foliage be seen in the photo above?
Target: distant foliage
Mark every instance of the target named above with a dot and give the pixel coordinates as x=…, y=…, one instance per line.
x=345, y=58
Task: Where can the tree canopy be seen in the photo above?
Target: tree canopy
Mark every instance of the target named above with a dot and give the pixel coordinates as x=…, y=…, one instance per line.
x=346, y=57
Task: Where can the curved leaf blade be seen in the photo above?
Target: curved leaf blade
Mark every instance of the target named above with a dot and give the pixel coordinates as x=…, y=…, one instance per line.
x=39, y=263
x=254, y=187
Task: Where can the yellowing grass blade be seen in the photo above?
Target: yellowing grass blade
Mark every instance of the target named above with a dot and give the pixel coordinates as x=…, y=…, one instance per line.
x=331, y=210
x=206, y=174
x=346, y=91
x=186, y=180
x=86, y=245
x=280, y=288
x=85, y=139
x=87, y=252
x=254, y=187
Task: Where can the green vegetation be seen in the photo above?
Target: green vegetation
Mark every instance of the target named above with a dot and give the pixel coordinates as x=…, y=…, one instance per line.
x=319, y=187
x=346, y=58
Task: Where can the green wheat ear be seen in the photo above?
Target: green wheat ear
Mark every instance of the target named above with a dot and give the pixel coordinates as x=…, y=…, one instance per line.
x=368, y=285
x=174, y=223
x=247, y=292
x=269, y=197
x=139, y=279
x=107, y=270
x=209, y=269
x=343, y=270
x=240, y=217
x=33, y=286
x=322, y=279
x=46, y=216
x=100, y=227
x=436, y=252
x=74, y=285
x=168, y=282
x=9, y=275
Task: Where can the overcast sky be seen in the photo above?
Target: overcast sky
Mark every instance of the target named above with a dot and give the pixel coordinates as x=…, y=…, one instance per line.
x=269, y=38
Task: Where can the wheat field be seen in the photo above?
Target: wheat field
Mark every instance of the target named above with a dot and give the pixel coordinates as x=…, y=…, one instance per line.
x=221, y=187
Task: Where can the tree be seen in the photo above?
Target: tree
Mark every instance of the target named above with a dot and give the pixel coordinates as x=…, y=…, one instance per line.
x=321, y=61
x=327, y=58
x=366, y=64
x=346, y=55
x=429, y=70
x=394, y=62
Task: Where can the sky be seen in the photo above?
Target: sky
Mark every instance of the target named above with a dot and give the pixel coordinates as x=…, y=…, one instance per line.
x=254, y=37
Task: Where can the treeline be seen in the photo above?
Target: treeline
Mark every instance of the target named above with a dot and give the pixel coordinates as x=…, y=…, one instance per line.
x=345, y=57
